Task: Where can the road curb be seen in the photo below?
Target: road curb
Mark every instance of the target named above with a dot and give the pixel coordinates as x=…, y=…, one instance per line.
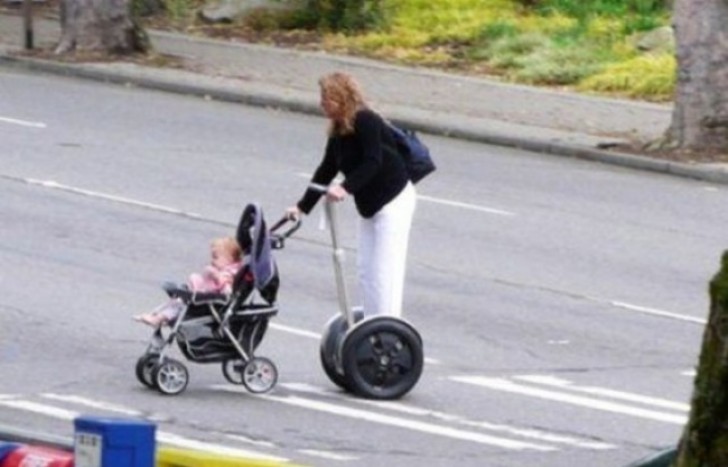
x=298, y=102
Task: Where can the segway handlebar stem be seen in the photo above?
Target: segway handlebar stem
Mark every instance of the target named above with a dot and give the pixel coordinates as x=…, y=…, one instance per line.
x=338, y=255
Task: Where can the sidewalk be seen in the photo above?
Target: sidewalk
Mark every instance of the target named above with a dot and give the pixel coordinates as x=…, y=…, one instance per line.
x=435, y=102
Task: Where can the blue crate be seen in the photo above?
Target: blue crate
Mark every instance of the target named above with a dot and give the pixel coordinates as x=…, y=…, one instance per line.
x=114, y=442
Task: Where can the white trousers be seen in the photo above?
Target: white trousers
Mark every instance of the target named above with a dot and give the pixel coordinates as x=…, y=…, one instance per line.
x=382, y=254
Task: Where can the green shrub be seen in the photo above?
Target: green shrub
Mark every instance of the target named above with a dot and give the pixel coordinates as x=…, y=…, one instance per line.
x=265, y=19
x=343, y=15
x=179, y=10
x=496, y=30
x=584, y=8
x=508, y=51
x=635, y=15
x=645, y=77
x=553, y=65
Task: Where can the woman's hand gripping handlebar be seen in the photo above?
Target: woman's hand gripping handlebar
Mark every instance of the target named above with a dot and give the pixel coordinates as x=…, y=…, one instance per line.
x=333, y=192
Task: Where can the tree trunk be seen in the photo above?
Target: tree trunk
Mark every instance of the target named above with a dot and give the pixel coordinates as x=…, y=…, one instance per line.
x=100, y=25
x=705, y=438
x=700, y=115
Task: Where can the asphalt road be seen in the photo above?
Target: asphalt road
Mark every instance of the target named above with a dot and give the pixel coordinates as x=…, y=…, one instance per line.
x=561, y=302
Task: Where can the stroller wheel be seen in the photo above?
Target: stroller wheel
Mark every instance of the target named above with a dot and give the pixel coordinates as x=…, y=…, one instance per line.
x=383, y=358
x=232, y=370
x=260, y=375
x=170, y=377
x=144, y=367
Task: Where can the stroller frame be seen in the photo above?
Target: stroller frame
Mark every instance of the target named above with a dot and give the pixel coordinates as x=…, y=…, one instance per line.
x=217, y=328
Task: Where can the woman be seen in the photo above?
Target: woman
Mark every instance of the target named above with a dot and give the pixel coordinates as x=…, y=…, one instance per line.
x=360, y=146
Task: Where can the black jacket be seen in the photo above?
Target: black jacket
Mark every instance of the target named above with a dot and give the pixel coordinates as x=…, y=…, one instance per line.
x=373, y=170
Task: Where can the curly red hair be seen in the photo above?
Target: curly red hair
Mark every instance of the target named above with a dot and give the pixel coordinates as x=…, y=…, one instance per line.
x=343, y=89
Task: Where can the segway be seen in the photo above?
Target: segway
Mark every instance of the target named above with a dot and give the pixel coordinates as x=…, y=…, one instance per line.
x=376, y=357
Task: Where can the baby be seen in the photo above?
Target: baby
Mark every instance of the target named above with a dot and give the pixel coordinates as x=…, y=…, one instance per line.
x=215, y=277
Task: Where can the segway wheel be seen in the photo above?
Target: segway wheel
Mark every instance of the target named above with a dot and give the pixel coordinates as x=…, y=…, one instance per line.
x=260, y=375
x=170, y=377
x=333, y=334
x=232, y=370
x=383, y=358
x=144, y=367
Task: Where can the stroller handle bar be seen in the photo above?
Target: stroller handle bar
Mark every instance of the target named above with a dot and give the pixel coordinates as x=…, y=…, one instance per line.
x=278, y=240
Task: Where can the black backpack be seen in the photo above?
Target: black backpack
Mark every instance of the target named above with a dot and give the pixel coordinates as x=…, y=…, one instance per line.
x=415, y=154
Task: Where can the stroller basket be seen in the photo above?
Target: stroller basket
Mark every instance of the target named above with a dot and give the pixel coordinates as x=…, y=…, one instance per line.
x=201, y=339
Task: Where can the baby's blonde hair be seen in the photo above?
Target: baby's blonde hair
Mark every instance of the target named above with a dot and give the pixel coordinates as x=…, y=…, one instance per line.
x=229, y=245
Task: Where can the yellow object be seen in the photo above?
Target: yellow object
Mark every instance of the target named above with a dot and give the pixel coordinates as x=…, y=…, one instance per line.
x=170, y=457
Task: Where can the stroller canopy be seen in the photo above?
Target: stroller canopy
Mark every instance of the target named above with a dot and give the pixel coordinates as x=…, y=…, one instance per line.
x=254, y=240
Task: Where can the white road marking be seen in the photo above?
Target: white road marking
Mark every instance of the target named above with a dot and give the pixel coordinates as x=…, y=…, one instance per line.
x=626, y=396
x=539, y=435
x=27, y=123
x=254, y=442
x=94, y=404
x=656, y=312
x=318, y=390
x=472, y=207
x=501, y=384
x=42, y=409
x=328, y=455
x=296, y=331
x=118, y=199
x=689, y=373
x=422, y=427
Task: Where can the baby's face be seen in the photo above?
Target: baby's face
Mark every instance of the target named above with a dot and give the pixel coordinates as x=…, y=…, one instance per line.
x=221, y=257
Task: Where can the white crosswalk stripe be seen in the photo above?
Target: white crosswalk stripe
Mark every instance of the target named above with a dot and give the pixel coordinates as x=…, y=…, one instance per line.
x=626, y=396
x=42, y=409
x=414, y=425
x=565, y=395
x=400, y=407
x=93, y=404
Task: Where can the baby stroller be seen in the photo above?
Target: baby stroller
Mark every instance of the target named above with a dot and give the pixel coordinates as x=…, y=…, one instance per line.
x=217, y=328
